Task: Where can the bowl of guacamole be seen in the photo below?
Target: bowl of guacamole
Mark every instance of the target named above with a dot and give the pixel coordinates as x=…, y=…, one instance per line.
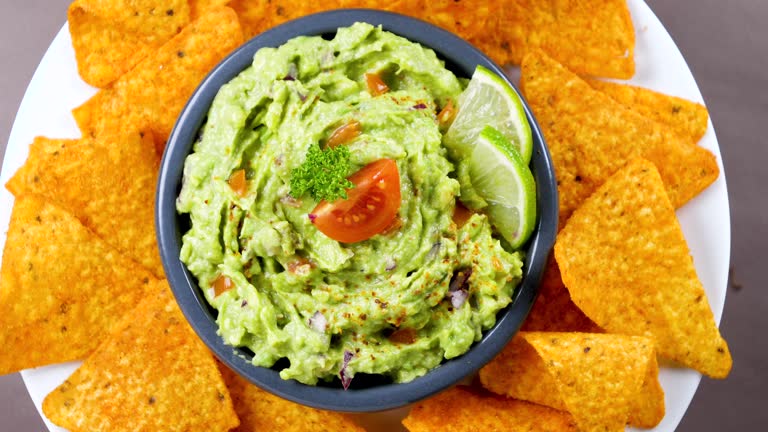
x=310, y=218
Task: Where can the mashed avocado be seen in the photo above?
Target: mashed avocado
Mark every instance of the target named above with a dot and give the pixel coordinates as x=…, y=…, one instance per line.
x=285, y=290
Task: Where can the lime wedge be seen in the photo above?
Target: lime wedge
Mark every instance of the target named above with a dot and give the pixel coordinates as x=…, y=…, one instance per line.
x=500, y=176
x=488, y=101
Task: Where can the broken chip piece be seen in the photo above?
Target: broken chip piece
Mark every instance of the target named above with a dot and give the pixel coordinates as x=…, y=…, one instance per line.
x=627, y=265
x=151, y=374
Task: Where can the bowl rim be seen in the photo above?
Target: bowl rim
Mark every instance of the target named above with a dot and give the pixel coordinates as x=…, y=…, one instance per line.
x=459, y=55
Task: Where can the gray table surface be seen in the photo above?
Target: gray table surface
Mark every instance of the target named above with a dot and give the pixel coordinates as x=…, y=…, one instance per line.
x=726, y=46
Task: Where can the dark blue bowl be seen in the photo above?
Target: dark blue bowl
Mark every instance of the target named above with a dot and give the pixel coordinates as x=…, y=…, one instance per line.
x=367, y=393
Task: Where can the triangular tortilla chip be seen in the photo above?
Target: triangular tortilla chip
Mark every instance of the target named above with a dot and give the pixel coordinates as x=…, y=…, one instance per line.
x=626, y=264
x=108, y=183
x=465, y=409
x=61, y=287
x=262, y=411
x=599, y=378
x=686, y=119
x=153, y=94
x=110, y=38
x=151, y=374
x=554, y=310
x=519, y=372
x=591, y=136
x=589, y=37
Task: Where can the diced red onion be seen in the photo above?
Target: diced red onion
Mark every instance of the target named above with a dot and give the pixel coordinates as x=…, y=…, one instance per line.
x=458, y=298
x=312, y=217
x=391, y=264
x=346, y=378
x=459, y=280
x=420, y=106
x=292, y=73
x=318, y=322
x=458, y=290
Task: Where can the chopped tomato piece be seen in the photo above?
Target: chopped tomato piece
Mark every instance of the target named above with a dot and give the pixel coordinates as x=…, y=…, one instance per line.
x=369, y=209
x=394, y=227
x=405, y=336
x=461, y=214
x=446, y=115
x=344, y=134
x=238, y=183
x=222, y=284
x=376, y=85
x=300, y=265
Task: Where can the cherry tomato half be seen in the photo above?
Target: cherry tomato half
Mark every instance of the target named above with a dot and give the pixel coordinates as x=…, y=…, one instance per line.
x=369, y=209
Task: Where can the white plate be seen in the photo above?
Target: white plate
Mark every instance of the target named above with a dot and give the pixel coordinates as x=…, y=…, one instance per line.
x=56, y=88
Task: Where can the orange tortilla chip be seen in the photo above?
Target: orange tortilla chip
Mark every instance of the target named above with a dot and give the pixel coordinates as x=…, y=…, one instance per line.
x=589, y=37
x=61, y=288
x=262, y=411
x=463, y=409
x=519, y=372
x=108, y=183
x=554, y=310
x=626, y=264
x=151, y=374
x=198, y=8
x=648, y=408
x=591, y=136
x=153, y=94
x=474, y=21
x=110, y=38
x=686, y=119
x=598, y=378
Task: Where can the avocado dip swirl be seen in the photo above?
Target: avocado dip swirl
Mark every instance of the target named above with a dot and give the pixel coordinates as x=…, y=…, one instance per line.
x=396, y=304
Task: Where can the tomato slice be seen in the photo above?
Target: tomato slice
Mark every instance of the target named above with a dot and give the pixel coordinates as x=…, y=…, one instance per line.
x=376, y=85
x=369, y=209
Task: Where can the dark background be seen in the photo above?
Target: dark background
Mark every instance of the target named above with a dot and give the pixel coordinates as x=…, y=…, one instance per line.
x=726, y=45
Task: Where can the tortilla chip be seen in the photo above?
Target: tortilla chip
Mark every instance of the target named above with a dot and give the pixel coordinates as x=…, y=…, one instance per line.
x=151, y=374
x=598, y=378
x=262, y=411
x=519, y=372
x=463, y=409
x=108, y=183
x=198, y=8
x=686, y=119
x=589, y=37
x=153, y=94
x=110, y=38
x=472, y=21
x=61, y=287
x=626, y=264
x=554, y=310
x=648, y=409
x=591, y=136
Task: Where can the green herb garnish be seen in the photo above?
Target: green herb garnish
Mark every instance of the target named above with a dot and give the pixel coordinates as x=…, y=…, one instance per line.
x=323, y=174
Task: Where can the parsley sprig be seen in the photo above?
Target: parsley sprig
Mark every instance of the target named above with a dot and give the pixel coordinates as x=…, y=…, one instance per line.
x=323, y=174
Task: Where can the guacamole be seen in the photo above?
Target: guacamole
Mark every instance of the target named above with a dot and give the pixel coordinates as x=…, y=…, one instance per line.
x=395, y=304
